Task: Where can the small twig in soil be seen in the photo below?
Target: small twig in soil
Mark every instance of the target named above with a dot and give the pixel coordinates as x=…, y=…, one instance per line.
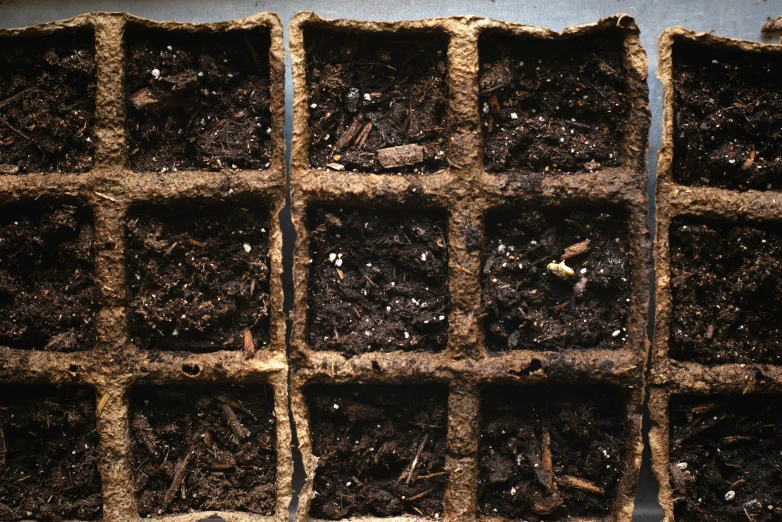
x=415, y=459
x=239, y=430
x=18, y=95
x=2, y=449
x=14, y=129
x=179, y=475
x=432, y=475
x=545, y=459
x=362, y=138
x=579, y=483
x=420, y=495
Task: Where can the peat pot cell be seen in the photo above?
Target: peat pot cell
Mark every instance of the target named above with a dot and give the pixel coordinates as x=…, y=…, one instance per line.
x=203, y=448
x=48, y=298
x=725, y=457
x=726, y=290
x=556, y=279
x=727, y=118
x=47, y=102
x=378, y=280
x=198, y=277
x=550, y=453
x=49, y=454
x=553, y=105
x=197, y=101
x=380, y=448
x=377, y=102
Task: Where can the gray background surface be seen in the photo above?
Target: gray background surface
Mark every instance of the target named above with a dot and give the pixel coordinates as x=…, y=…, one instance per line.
x=733, y=18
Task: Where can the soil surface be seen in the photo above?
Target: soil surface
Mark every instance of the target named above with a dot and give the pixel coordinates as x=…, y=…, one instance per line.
x=48, y=297
x=368, y=93
x=531, y=304
x=204, y=448
x=725, y=457
x=381, y=450
x=728, y=118
x=47, y=103
x=552, y=106
x=377, y=282
x=49, y=454
x=550, y=453
x=726, y=288
x=197, y=101
x=198, y=278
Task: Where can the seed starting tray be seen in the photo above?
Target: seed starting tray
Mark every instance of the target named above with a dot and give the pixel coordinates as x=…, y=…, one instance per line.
x=671, y=377
x=114, y=366
x=466, y=194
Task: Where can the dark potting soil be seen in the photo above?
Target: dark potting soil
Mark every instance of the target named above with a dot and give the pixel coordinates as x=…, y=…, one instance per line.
x=728, y=118
x=198, y=277
x=197, y=101
x=550, y=453
x=725, y=457
x=368, y=93
x=48, y=297
x=552, y=106
x=381, y=449
x=49, y=454
x=532, y=306
x=204, y=448
x=378, y=281
x=726, y=290
x=47, y=102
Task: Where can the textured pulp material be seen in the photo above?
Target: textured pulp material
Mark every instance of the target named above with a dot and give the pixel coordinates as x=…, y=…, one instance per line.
x=114, y=365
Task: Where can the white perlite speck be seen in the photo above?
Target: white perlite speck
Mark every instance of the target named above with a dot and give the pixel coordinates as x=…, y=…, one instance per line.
x=730, y=495
x=247, y=247
x=616, y=333
x=156, y=73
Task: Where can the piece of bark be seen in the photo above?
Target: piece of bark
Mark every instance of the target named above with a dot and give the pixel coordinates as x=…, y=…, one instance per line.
x=579, y=483
x=401, y=156
x=249, y=345
x=238, y=429
x=147, y=99
x=576, y=250
x=350, y=133
x=774, y=25
x=545, y=459
x=143, y=432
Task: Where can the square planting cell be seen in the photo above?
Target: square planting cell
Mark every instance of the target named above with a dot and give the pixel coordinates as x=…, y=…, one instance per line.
x=726, y=291
x=725, y=457
x=727, y=118
x=550, y=452
x=381, y=450
x=553, y=105
x=197, y=101
x=377, y=102
x=378, y=280
x=198, y=277
x=49, y=454
x=47, y=102
x=203, y=448
x=556, y=279
x=48, y=298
